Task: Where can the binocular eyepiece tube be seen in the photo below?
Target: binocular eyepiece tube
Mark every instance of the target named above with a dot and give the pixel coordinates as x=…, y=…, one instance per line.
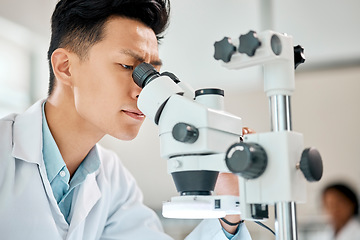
x=144, y=73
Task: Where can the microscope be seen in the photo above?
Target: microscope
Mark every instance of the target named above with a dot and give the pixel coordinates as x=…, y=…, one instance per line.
x=199, y=139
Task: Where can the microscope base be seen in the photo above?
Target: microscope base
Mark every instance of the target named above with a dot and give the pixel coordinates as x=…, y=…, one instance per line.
x=200, y=207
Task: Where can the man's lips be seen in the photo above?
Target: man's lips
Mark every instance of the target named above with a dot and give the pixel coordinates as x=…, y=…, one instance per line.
x=134, y=114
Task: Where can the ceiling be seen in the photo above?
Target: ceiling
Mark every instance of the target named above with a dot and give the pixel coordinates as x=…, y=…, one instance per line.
x=325, y=29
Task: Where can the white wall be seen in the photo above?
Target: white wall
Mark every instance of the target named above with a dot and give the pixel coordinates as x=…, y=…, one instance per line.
x=23, y=67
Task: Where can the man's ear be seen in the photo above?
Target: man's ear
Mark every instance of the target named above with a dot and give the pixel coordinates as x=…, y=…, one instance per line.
x=60, y=61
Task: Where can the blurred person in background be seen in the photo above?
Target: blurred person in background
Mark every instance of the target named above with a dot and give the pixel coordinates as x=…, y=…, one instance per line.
x=342, y=207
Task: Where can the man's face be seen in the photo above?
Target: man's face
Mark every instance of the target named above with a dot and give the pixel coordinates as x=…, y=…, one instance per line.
x=105, y=94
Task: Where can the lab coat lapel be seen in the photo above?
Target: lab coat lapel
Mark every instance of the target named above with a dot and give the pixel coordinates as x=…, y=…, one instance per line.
x=27, y=146
x=27, y=135
x=59, y=218
x=86, y=197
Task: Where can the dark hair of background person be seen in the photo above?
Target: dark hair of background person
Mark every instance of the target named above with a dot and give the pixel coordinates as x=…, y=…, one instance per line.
x=347, y=192
x=78, y=24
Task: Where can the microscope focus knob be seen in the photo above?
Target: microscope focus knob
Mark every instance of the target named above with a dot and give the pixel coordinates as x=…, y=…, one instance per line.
x=249, y=160
x=299, y=56
x=249, y=43
x=184, y=132
x=311, y=164
x=224, y=49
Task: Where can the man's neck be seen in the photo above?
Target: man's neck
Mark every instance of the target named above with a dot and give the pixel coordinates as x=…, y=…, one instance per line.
x=73, y=135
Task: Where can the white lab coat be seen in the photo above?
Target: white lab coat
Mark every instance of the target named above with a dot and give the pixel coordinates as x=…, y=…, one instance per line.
x=351, y=231
x=108, y=205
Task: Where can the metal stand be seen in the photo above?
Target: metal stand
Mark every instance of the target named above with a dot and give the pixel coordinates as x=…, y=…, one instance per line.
x=285, y=212
x=285, y=221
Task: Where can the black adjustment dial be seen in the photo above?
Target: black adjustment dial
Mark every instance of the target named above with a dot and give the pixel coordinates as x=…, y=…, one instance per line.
x=299, y=56
x=224, y=49
x=185, y=133
x=249, y=43
x=311, y=164
x=249, y=160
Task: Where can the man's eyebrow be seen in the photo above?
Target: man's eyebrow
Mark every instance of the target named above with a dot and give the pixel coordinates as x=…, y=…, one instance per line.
x=133, y=54
x=158, y=63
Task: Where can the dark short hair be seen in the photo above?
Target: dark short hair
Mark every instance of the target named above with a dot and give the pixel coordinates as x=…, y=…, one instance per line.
x=78, y=24
x=347, y=192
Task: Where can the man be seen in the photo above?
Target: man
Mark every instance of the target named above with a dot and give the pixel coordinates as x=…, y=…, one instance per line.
x=55, y=181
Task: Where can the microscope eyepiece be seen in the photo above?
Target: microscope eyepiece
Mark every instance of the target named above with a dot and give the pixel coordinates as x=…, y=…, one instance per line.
x=144, y=73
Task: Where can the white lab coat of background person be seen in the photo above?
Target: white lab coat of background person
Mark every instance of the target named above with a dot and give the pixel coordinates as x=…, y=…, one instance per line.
x=351, y=231
x=108, y=205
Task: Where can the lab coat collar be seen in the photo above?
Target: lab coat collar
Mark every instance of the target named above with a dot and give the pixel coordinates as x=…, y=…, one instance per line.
x=27, y=146
x=27, y=135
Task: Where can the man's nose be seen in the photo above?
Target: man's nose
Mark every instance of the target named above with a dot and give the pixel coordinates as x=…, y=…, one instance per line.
x=136, y=90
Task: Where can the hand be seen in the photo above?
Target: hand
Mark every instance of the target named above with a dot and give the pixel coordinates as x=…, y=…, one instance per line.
x=228, y=184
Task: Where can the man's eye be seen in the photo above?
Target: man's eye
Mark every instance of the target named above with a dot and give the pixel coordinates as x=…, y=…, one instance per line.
x=127, y=66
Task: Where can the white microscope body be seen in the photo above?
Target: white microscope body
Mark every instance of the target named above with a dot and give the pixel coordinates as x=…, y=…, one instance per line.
x=195, y=133
x=199, y=139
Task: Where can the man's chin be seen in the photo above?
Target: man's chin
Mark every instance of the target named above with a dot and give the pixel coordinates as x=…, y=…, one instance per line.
x=125, y=136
